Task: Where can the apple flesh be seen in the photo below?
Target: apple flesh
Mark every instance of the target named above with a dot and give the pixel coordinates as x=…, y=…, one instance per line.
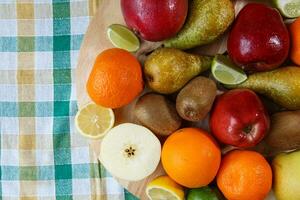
x=239, y=118
x=259, y=39
x=155, y=20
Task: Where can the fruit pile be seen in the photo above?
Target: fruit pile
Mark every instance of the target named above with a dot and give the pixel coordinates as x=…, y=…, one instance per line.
x=250, y=97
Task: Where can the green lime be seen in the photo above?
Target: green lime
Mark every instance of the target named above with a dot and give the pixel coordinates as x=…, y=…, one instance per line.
x=204, y=193
x=121, y=37
x=226, y=72
x=288, y=8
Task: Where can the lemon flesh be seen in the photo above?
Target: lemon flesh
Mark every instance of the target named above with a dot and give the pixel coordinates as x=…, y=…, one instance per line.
x=164, y=188
x=94, y=121
x=161, y=194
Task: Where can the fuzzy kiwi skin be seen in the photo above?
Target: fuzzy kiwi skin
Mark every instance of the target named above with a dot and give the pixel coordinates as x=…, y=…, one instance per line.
x=284, y=132
x=157, y=113
x=195, y=100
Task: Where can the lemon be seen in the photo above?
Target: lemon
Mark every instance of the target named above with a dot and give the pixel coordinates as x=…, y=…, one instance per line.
x=94, y=121
x=226, y=72
x=164, y=188
x=288, y=8
x=121, y=37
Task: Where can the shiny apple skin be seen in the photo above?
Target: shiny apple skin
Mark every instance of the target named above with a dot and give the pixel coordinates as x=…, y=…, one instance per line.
x=259, y=39
x=233, y=112
x=155, y=20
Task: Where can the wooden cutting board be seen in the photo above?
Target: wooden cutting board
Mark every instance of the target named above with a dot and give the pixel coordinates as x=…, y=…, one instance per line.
x=94, y=42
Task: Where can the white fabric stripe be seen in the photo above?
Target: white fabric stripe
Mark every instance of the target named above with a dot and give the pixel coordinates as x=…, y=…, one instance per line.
x=8, y=61
x=112, y=186
x=10, y=188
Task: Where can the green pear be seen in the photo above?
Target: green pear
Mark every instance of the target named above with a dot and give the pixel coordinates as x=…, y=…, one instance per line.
x=287, y=176
x=167, y=70
x=206, y=21
x=281, y=85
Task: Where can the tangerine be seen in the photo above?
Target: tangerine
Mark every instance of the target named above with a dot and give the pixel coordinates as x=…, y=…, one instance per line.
x=116, y=78
x=191, y=157
x=244, y=175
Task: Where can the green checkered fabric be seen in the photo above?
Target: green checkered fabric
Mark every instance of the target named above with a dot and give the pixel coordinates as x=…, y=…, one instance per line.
x=41, y=154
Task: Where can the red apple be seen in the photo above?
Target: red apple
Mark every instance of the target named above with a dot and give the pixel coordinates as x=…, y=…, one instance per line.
x=259, y=39
x=239, y=118
x=155, y=20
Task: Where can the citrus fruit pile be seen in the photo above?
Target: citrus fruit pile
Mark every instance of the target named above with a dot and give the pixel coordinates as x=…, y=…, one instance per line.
x=249, y=98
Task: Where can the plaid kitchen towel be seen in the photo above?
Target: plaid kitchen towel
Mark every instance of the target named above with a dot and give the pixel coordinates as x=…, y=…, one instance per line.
x=41, y=154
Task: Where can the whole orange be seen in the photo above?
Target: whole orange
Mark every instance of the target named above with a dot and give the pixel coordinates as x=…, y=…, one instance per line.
x=116, y=78
x=191, y=157
x=244, y=175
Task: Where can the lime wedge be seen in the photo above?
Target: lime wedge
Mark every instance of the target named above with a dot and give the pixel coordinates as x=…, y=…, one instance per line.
x=226, y=72
x=121, y=37
x=288, y=8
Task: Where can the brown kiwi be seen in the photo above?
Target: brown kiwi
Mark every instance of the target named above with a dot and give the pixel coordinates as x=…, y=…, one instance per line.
x=195, y=100
x=284, y=133
x=157, y=113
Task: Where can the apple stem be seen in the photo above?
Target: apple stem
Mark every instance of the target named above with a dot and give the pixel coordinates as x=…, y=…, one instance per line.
x=248, y=129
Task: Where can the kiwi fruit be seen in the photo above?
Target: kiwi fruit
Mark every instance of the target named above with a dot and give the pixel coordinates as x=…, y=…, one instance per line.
x=195, y=100
x=157, y=113
x=284, y=132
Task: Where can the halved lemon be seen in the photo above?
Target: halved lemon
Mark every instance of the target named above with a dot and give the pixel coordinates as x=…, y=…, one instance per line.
x=94, y=121
x=164, y=188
